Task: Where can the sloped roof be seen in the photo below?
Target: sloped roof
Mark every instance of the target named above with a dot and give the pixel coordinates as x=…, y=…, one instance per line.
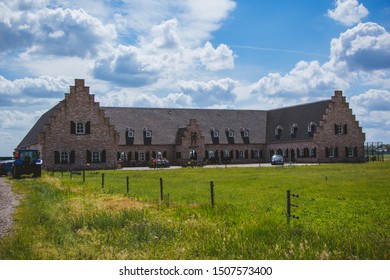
x=165, y=123
x=299, y=115
x=31, y=137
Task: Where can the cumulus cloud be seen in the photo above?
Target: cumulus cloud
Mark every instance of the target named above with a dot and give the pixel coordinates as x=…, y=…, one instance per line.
x=217, y=59
x=305, y=77
x=160, y=54
x=363, y=47
x=130, y=98
x=20, y=91
x=126, y=67
x=214, y=92
x=62, y=32
x=348, y=12
x=372, y=100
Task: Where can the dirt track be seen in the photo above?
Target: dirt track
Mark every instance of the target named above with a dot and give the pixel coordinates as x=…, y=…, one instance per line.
x=8, y=202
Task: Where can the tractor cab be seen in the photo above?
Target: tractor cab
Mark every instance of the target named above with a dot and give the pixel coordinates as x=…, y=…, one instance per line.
x=27, y=162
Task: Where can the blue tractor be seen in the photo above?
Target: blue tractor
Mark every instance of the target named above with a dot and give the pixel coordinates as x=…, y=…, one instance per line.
x=27, y=162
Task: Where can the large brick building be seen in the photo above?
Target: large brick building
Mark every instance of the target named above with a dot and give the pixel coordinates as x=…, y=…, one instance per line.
x=78, y=133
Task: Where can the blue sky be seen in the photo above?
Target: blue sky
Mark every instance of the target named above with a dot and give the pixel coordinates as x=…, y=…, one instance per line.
x=240, y=54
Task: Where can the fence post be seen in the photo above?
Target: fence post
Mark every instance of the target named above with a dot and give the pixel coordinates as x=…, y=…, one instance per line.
x=83, y=176
x=161, y=190
x=212, y=193
x=127, y=184
x=102, y=180
x=288, y=206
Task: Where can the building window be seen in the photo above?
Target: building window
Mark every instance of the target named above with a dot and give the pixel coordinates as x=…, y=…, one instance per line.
x=246, y=133
x=340, y=129
x=64, y=157
x=141, y=156
x=231, y=133
x=312, y=152
x=241, y=155
x=96, y=157
x=130, y=133
x=148, y=134
x=226, y=154
x=215, y=133
x=278, y=131
x=211, y=154
x=80, y=128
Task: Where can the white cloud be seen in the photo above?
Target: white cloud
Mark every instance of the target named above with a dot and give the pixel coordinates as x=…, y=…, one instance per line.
x=61, y=32
x=32, y=90
x=214, y=92
x=160, y=55
x=129, y=98
x=304, y=78
x=217, y=59
x=363, y=47
x=348, y=12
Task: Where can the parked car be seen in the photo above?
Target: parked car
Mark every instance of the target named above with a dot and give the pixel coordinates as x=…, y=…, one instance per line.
x=277, y=160
x=6, y=167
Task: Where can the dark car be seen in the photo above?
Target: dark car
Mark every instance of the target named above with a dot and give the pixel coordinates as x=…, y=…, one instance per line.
x=277, y=160
x=6, y=167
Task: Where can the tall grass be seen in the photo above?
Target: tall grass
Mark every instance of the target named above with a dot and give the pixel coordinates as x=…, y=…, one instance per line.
x=343, y=214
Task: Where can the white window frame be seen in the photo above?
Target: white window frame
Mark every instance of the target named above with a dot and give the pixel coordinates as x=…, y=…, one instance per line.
x=80, y=128
x=211, y=154
x=148, y=134
x=331, y=152
x=246, y=133
x=226, y=153
x=215, y=133
x=96, y=157
x=241, y=155
x=130, y=133
x=350, y=152
x=231, y=133
x=141, y=156
x=64, y=157
x=312, y=152
x=339, y=129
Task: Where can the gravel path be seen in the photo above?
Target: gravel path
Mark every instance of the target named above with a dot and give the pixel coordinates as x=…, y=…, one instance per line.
x=8, y=202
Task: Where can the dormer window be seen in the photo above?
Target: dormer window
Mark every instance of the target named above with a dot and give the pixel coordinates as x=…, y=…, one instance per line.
x=278, y=131
x=230, y=136
x=148, y=134
x=215, y=136
x=245, y=133
x=215, y=133
x=147, y=137
x=130, y=133
x=293, y=130
x=311, y=128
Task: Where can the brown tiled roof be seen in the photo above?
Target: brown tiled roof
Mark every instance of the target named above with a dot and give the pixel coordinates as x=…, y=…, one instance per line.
x=299, y=115
x=167, y=124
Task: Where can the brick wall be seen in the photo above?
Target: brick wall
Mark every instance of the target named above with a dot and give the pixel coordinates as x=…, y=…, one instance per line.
x=350, y=135
x=79, y=106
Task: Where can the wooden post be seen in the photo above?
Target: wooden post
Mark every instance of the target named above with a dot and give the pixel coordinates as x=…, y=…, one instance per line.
x=288, y=214
x=102, y=180
x=161, y=190
x=212, y=193
x=127, y=184
x=83, y=176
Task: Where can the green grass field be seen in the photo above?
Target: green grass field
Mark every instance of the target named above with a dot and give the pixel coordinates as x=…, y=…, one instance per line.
x=343, y=213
